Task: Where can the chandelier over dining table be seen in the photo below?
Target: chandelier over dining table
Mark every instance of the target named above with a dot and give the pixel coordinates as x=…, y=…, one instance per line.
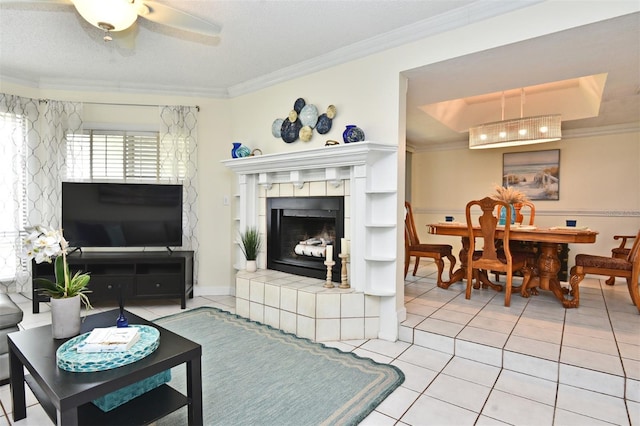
x=515, y=132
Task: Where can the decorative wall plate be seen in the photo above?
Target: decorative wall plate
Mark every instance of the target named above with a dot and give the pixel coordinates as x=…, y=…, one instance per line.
x=290, y=130
x=276, y=127
x=299, y=104
x=331, y=111
x=324, y=124
x=309, y=116
x=305, y=133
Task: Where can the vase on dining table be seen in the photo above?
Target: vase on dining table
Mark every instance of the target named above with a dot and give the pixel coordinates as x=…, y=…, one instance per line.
x=503, y=215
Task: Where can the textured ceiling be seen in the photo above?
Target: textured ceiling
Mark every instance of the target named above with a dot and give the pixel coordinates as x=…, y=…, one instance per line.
x=48, y=45
x=258, y=38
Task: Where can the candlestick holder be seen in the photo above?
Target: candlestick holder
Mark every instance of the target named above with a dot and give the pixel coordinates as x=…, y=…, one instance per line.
x=329, y=264
x=344, y=280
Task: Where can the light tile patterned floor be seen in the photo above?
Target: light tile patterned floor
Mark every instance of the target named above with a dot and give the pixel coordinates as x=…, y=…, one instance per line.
x=476, y=362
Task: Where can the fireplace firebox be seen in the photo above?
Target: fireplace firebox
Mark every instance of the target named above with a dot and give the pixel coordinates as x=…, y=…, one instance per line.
x=299, y=229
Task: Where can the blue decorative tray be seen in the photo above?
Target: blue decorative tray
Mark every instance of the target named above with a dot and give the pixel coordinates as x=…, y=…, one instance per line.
x=69, y=359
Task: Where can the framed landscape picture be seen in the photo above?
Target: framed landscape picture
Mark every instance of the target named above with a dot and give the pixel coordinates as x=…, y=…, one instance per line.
x=535, y=173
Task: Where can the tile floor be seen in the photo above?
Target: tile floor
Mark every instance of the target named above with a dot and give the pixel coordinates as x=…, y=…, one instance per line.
x=474, y=361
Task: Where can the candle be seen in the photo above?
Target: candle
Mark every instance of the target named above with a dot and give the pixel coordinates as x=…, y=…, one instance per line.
x=329, y=252
x=343, y=245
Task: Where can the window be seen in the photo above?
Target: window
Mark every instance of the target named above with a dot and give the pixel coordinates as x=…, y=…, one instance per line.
x=13, y=192
x=114, y=155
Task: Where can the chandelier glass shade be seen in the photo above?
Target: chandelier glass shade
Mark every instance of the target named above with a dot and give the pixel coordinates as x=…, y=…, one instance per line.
x=519, y=131
x=113, y=15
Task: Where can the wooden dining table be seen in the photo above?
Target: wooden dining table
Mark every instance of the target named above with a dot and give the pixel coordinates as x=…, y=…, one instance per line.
x=547, y=265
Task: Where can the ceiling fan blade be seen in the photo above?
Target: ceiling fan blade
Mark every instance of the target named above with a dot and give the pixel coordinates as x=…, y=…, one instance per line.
x=169, y=16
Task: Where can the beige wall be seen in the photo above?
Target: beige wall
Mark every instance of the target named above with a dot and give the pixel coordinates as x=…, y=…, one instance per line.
x=599, y=186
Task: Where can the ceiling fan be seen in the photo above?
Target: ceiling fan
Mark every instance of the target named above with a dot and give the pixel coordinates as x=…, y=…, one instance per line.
x=118, y=15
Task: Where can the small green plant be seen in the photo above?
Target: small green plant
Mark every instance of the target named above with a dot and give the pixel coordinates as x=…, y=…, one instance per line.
x=250, y=243
x=48, y=245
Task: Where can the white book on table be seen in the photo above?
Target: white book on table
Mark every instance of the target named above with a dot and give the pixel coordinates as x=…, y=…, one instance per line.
x=112, y=339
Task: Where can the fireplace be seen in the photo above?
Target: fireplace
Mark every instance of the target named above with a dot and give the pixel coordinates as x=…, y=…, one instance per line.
x=299, y=229
x=365, y=175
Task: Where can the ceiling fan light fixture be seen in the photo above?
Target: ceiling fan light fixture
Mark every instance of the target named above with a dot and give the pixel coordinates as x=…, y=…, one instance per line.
x=119, y=14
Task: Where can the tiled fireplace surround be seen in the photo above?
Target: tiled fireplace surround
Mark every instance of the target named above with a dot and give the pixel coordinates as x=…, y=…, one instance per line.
x=302, y=305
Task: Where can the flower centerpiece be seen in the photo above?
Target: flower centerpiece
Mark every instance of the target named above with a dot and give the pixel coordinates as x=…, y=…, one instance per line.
x=48, y=245
x=250, y=245
x=511, y=196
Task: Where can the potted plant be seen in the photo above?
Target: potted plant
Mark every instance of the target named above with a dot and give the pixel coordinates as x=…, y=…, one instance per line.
x=511, y=196
x=250, y=243
x=68, y=291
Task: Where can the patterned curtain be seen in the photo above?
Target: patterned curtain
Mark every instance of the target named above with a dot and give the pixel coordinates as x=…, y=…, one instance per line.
x=33, y=140
x=179, y=164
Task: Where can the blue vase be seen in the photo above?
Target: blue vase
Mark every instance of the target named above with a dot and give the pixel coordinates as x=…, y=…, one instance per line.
x=352, y=134
x=122, y=321
x=503, y=215
x=239, y=150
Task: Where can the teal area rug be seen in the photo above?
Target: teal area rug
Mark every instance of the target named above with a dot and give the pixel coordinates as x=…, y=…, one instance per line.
x=253, y=374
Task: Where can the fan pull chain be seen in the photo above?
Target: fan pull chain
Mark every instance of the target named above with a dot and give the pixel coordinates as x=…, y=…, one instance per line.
x=106, y=28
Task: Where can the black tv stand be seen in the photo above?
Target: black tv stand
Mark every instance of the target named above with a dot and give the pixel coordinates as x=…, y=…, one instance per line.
x=141, y=274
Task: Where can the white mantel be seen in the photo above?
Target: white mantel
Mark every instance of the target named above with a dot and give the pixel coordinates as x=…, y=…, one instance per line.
x=370, y=170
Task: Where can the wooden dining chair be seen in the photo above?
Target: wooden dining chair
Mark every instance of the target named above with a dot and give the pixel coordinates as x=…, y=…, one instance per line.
x=413, y=247
x=620, y=252
x=518, y=207
x=628, y=268
x=492, y=258
x=522, y=246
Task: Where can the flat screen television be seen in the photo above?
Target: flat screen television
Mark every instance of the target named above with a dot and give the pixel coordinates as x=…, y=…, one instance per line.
x=122, y=214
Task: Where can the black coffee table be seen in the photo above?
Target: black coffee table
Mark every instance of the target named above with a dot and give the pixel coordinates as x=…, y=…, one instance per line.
x=66, y=396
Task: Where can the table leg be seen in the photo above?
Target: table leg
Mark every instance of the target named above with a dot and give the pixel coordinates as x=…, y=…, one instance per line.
x=461, y=273
x=68, y=417
x=547, y=278
x=16, y=380
x=194, y=391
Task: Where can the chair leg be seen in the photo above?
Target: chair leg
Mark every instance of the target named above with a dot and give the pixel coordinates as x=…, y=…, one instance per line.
x=440, y=264
x=415, y=268
x=576, y=275
x=467, y=294
x=610, y=281
x=507, y=291
x=407, y=258
x=634, y=292
x=452, y=264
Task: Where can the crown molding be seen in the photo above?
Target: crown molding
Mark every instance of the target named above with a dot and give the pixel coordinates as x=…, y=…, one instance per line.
x=477, y=11
x=109, y=86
